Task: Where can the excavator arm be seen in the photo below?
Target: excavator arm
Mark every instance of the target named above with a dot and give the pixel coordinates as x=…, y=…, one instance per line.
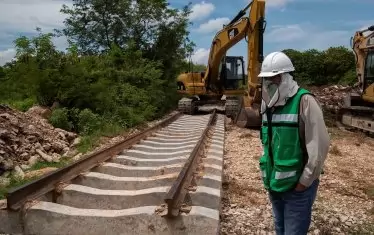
x=222, y=42
x=230, y=35
x=255, y=37
x=363, y=48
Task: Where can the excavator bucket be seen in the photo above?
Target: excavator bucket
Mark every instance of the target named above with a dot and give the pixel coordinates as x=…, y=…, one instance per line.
x=248, y=117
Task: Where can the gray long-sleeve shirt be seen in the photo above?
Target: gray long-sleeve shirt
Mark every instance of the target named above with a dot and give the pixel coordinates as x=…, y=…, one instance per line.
x=317, y=138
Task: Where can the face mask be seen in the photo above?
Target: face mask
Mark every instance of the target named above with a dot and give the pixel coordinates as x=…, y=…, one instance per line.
x=270, y=87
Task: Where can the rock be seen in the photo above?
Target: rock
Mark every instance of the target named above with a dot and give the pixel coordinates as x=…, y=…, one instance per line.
x=70, y=136
x=24, y=133
x=76, y=141
x=77, y=157
x=45, y=156
x=7, y=164
x=3, y=204
x=58, y=146
x=18, y=173
x=4, y=133
x=32, y=139
x=56, y=157
x=25, y=167
x=343, y=218
x=70, y=153
x=6, y=174
x=38, y=146
x=65, y=150
x=40, y=111
x=62, y=135
x=4, y=182
x=46, y=147
x=33, y=160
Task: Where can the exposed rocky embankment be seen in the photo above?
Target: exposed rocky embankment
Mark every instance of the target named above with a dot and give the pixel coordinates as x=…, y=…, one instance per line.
x=26, y=138
x=332, y=97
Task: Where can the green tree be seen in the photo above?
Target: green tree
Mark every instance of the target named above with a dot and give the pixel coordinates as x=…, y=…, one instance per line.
x=332, y=66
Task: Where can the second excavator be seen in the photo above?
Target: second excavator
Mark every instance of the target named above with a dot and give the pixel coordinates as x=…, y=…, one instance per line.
x=358, y=110
x=224, y=81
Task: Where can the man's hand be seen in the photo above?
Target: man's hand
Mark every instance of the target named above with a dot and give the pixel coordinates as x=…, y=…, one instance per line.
x=300, y=187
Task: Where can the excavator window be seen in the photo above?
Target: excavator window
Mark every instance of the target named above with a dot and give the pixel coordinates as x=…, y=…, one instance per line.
x=369, y=69
x=233, y=66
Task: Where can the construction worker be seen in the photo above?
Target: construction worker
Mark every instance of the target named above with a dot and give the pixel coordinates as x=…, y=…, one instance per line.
x=295, y=145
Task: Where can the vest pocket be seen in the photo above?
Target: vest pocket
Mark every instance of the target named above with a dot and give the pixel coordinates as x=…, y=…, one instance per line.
x=285, y=176
x=288, y=151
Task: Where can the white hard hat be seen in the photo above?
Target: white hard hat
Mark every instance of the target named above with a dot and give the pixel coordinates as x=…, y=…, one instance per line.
x=276, y=63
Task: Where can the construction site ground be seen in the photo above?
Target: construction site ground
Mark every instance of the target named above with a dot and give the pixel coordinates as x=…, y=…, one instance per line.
x=345, y=201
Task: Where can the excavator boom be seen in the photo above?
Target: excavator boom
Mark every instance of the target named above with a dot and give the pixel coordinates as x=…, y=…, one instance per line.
x=249, y=115
x=223, y=41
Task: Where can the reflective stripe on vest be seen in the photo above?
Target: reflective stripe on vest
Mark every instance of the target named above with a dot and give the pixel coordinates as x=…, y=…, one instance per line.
x=282, y=118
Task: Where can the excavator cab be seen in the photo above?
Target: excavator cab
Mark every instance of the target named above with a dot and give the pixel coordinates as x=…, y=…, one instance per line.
x=369, y=69
x=232, y=72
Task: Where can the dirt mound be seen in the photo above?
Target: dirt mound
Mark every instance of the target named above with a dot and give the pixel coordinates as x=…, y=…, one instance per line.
x=332, y=97
x=27, y=137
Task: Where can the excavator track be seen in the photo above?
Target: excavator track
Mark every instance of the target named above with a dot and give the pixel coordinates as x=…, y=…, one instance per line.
x=361, y=118
x=232, y=108
x=187, y=106
x=190, y=106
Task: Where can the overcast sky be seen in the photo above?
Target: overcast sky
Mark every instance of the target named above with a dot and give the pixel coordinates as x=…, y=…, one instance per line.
x=297, y=24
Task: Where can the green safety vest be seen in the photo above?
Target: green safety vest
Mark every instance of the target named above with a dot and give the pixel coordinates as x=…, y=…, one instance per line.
x=284, y=155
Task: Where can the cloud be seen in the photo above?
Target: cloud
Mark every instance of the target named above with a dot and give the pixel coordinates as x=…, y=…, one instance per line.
x=305, y=36
x=277, y=3
x=7, y=55
x=25, y=16
x=201, y=11
x=200, y=56
x=287, y=33
x=213, y=25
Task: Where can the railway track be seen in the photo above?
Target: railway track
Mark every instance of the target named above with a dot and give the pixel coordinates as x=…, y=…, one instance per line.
x=165, y=180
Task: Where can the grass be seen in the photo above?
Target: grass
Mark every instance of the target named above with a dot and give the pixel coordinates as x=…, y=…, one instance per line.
x=39, y=165
x=14, y=182
x=21, y=105
x=89, y=142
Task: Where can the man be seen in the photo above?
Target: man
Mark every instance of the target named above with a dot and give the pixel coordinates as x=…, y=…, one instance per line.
x=295, y=145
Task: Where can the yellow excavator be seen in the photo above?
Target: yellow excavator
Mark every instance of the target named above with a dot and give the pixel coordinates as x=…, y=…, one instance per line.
x=358, y=109
x=224, y=81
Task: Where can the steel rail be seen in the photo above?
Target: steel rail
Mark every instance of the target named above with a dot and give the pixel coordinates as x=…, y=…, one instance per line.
x=18, y=197
x=176, y=194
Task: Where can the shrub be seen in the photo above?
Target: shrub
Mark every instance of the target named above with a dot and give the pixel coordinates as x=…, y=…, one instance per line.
x=60, y=119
